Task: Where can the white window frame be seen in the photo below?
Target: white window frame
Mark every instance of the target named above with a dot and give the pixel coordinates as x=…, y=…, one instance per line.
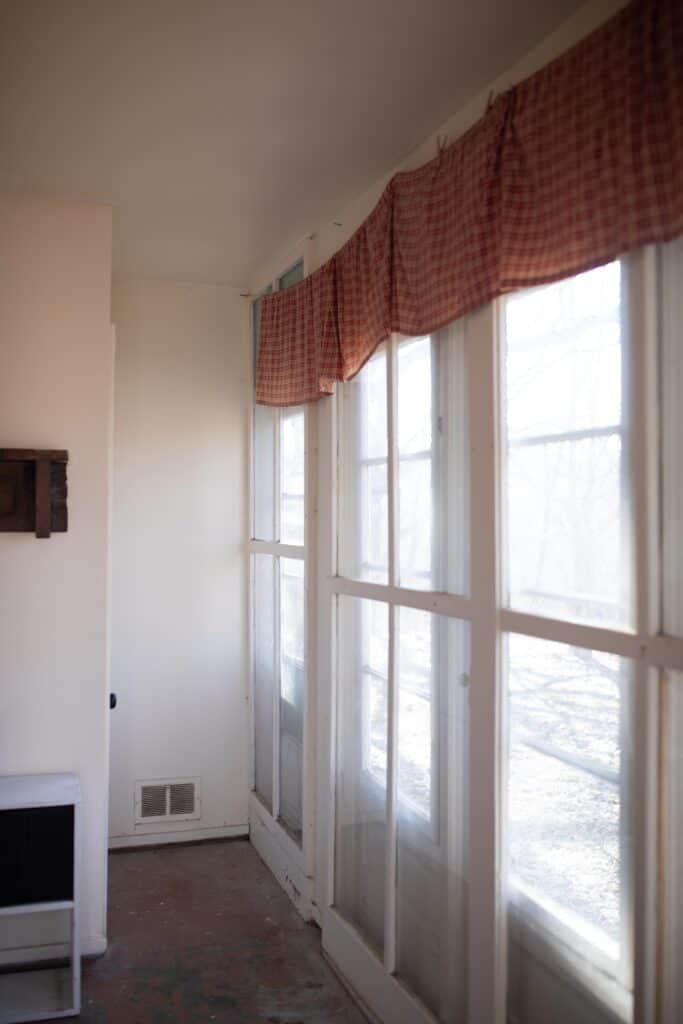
x=288, y=859
x=649, y=651
x=573, y=942
x=438, y=458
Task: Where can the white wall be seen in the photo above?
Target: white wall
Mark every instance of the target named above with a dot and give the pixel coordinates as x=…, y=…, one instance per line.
x=179, y=621
x=56, y=351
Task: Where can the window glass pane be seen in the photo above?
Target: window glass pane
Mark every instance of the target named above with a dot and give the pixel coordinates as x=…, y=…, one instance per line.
x=363, y=489
x=416, y=507
x=671, y=389
x=292, y=676
x=672, y=903
x=292, y=276
x=256, y=325
x=566, y=774
x=363, y=628
x=263, y=453
x=292, y=628
x=265, y=427
x=292, y=475
x=264, y=669
x=416, y=705
x=433, y=662
x=567, y=476
x=433, y=461
x=416, y=457
x=415, y=396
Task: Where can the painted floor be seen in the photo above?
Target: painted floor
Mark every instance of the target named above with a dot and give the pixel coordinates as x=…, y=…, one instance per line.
x=204, y=933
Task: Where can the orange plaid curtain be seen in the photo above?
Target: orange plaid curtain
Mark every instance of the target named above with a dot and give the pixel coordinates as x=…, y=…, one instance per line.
x=581, y=162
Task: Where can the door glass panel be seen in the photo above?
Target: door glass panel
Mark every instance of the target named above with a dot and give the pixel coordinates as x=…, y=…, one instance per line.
x=363, y=486
x=292, y=677
x=568, y=827
x=292, y=462
x=433, y=662
x=567, y=477
x=265, y=669
x=363, y=645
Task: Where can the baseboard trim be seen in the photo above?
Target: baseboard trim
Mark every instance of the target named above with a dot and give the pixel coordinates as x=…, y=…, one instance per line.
x=184, y=836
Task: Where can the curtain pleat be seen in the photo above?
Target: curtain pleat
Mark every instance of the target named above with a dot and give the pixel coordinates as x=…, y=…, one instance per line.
x=578, y=164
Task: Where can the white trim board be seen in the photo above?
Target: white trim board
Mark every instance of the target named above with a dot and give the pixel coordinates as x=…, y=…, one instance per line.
x=180, y=836
x=271, y=844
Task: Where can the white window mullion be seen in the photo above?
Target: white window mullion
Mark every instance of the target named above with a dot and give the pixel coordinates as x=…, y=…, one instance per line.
x=390, y=853
x=642, y=305
x=326, y=724
x=250, y=666
x=392, y=462
x=309, y=774
x=670, y=268
x=487, y=946
x=277, y=482
x=574, y=634
x=425, y=600
x=276, y=691
x=267, y=547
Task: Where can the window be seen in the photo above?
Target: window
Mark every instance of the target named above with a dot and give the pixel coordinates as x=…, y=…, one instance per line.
x=499, y=685
x=567, y=471
x=568, y=844
x=671, y=675
x=403, y=660
x=364, y=541
x=567, y=483
x=416, y=429
x=292, y=466
x=278, y=601
x=431, y=466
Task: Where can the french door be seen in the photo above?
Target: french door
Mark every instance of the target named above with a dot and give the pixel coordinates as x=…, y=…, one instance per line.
x=281, y=810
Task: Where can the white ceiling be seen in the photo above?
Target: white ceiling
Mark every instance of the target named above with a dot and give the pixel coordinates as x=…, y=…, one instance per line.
x=222, y=130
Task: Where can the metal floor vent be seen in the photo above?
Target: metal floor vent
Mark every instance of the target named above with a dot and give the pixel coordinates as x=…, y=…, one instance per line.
x=167, y=799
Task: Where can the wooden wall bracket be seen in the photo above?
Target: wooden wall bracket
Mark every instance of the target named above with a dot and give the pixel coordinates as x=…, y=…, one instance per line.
x=33, y=491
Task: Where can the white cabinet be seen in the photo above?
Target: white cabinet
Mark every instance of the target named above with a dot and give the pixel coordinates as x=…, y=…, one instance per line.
x=39, y=874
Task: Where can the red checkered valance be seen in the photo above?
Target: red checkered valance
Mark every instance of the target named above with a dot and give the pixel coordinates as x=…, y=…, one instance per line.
x=581, y=162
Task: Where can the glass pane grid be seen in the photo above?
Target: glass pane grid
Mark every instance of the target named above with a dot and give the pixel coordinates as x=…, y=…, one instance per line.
x=566, y=822
x=431, y=455
x=567, y=556
x=292, y=477
x=567, y=475
x=432, y=653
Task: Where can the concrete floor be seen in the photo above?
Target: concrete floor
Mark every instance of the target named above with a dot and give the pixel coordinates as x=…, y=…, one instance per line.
x=204, y=933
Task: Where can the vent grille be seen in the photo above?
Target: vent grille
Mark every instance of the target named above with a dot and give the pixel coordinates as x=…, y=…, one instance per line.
x=166, y=800
x=181, y=798
x=153, y=802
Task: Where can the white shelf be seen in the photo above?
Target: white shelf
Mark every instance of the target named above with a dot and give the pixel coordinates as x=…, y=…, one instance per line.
x=44, y=993
x=24, y=791
x=41, y=907
x=21, y=992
